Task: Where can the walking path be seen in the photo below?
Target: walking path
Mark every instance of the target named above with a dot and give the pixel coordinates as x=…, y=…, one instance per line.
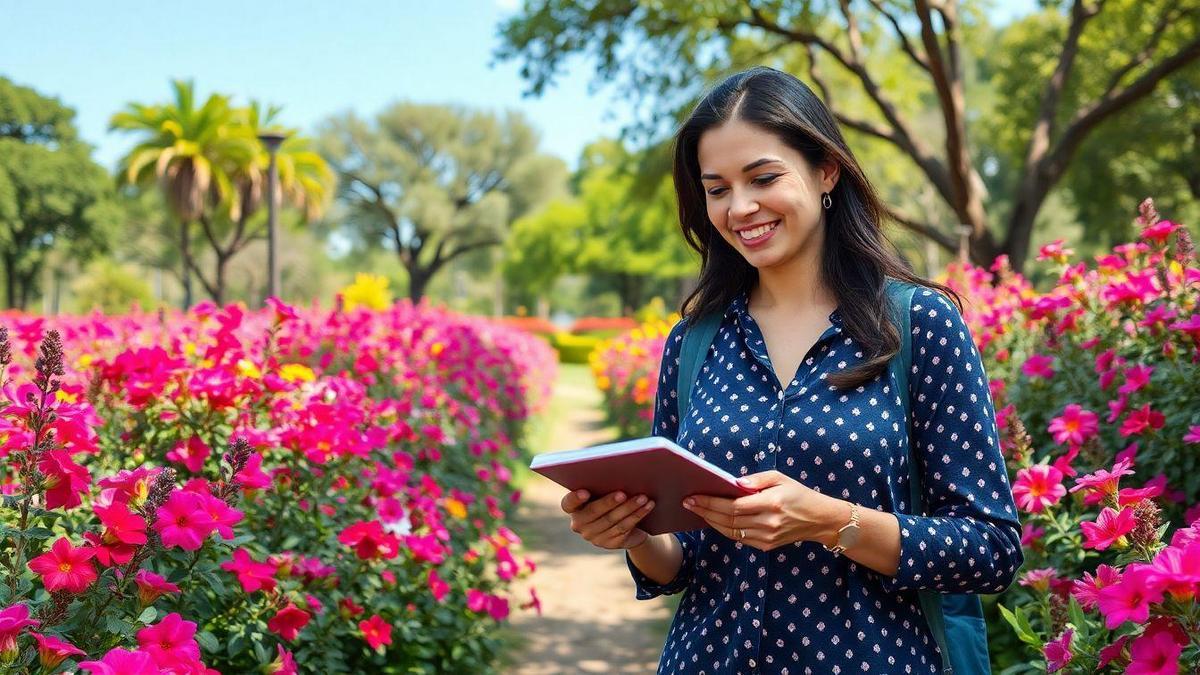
x=590, y=621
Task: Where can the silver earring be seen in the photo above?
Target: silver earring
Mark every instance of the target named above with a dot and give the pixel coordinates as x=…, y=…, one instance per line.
x=826, y=200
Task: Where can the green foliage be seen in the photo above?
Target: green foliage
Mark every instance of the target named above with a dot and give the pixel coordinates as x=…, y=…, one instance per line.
x=110, y=288
x=435, y=183
x=51, y=192
x=574, y=348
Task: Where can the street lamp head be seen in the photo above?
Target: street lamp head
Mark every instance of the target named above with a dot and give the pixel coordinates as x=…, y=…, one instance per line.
x=272, y=140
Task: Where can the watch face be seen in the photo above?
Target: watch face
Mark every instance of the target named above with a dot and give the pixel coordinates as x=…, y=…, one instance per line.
x=848, y=536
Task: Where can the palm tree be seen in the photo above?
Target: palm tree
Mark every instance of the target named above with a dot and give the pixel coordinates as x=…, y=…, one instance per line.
x=212, y=168
x=189, y=153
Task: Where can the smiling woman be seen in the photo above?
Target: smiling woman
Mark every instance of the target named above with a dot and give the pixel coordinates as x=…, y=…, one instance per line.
x=842, y=387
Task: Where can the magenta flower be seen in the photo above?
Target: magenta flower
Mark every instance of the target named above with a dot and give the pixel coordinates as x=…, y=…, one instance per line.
x=183, y=521
x=1136, y=377
x=284, y=663
x=1103, y=481
x=191, y=453
x=370, y=541
x=1087, y=589
x=1058, y=652
x=1109, y=529
x=13, y=620
x=1030, y=534
x=223, y=516
x=437, y=586
x=1055, y=251
x=1177, y=570
x=1112, y=652
x=1193, y=434
x=1075, y=426
x=1039, y=579
x=1038, y=487
x=1130, y=598
x=151, y=586
x=66, y=481
x=253, y=575
x=122, y=662
x=53, y=650
x=65, y=567
x=1141, y=420
x=1154, y=653
x=1038, y=366
x=171, y=643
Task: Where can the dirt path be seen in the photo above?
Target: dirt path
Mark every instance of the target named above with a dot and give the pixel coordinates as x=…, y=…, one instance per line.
x=590, y=622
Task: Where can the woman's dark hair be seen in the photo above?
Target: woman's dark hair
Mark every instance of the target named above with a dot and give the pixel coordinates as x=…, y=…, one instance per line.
x=857, y=255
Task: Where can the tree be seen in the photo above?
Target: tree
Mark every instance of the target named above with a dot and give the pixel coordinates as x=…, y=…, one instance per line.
x=621, y=234
x=668, y=49
x=51, y=193
x=211, y=168
x=434, y=183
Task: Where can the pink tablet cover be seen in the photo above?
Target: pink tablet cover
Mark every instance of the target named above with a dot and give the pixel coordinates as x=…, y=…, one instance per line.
x=656, y=472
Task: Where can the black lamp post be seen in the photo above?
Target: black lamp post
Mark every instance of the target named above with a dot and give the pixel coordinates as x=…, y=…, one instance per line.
x=271, y=141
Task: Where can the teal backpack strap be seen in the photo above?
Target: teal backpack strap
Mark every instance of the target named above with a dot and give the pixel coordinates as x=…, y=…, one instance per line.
x=900, y=294
x=696, y=341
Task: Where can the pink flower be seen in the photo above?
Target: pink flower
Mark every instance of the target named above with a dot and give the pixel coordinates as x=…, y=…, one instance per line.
x=1039, y=579
x=370, y=541
x=1075, y=426
x=376, y=631
x=1058, y=652
x=1110, y=653
x=253, y=575
x=190, y=453
x=65, y=567
x=1177, y=570
x=53, y=650
x=426, y=548
x=170, y=642
x=1130, y=598
x=437, y=586
x=289, y=621
x=122, y=662
x=1104, y=481
x=1142, y=419
x=183, y=521
x=151, y=586
x=1055, y=251
x=284, y=663
x=1087, y=589
x=1038, y=487
x=65, y=480
x=1193, y=434
x=1038, y=366
x=1109, y=529
x=1030, y=534
x=1154, y=653
x=13, y=620
x=1191, y=326
x=223, y=516
x=1136, y=377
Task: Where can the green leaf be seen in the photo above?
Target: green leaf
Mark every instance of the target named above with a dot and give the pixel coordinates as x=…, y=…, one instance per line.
x=208, y=642
x=148, y=615
x=1020, y=624
x=38, y=533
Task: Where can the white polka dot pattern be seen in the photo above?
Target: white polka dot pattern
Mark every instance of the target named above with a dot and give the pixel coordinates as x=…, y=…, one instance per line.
x=799, y=608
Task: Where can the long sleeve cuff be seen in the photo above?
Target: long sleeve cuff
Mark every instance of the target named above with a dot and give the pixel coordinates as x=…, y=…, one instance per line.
x=648, y=589
x=955, y=555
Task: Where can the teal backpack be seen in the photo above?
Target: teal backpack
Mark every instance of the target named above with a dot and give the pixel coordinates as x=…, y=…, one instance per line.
x=956, y=620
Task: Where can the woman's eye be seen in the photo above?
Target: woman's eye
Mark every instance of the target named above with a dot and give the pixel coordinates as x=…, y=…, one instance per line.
x=716, y=192
x=766, y=179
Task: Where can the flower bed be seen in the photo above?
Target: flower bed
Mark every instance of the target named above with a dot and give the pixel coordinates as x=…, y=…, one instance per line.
x=626, y=372
x=322, y=491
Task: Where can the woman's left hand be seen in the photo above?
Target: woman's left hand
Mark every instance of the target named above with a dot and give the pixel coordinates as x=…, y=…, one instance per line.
x=782, y=512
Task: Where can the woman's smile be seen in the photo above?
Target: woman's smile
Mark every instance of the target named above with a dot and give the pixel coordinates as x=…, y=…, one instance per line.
x=755, y=236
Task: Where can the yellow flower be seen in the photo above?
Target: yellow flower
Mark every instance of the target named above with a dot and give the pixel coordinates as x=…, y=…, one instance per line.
x=85, y=361
x=603, y=383
x=64, y=396
x=248, y=369
x=368, y=290
x=189, y=348
x=436, y=348
x=456, y=508
x=297, y=371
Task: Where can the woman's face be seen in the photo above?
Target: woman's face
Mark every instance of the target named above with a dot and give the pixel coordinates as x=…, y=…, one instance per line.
x=762, y=195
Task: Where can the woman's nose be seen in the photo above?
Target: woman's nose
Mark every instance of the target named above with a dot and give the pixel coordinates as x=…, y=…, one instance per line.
x=741, y=204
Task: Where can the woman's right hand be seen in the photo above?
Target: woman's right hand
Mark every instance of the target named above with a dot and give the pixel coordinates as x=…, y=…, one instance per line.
x=610, y=521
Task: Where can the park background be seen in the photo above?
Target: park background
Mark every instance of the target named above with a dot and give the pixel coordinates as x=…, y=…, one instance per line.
x=511, y=161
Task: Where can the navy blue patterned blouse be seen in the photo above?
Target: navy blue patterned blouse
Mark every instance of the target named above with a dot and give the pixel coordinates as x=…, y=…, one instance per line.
x=800, y=608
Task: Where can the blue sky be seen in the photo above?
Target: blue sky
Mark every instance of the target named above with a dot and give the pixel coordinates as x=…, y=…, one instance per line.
x=313, y=58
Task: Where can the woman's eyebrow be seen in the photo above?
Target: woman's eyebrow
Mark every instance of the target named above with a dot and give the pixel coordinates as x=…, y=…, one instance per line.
x=749, y=167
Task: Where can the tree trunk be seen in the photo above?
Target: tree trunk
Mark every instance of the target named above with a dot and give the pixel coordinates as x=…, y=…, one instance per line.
x=219, y=282
x=186, y=255
x=418, y=279
x=10, y=279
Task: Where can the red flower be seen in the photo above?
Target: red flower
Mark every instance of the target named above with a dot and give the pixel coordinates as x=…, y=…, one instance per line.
x=1110, y=528
x=65, y=567
x=288, y=621
x=65, y=480
x=376, y=631
x=370, y=541
x=13, y=620
x=151, y=586
x=190, y=453
x=183, y=522
x=1142, y=419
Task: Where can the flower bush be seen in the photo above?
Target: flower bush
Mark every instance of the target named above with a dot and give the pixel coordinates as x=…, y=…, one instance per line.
x=278, y=491
x=1096, y=383
x=626, y=371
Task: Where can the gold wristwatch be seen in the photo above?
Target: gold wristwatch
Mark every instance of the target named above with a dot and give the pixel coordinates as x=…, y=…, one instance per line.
x=848, y=535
